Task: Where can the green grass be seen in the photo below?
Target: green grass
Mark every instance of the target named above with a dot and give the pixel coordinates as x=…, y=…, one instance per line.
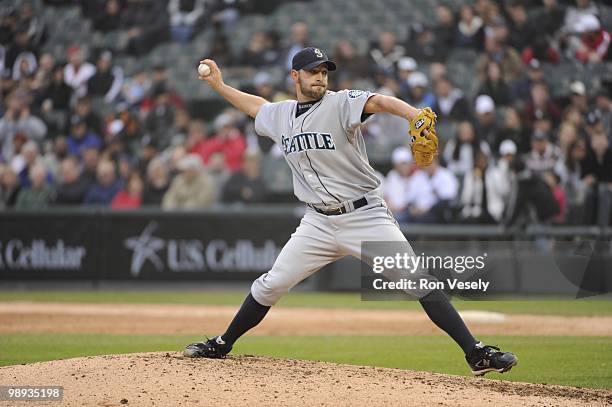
x=573, y=361
x=302, y=299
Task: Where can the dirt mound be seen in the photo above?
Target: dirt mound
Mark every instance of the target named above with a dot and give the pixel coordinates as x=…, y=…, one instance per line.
x=168, y=379
x=198, y=320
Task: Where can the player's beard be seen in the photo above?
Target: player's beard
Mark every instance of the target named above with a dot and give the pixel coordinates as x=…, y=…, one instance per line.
x=312, y=93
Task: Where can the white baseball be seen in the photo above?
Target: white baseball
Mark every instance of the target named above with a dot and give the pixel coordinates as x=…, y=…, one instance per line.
x=203, y=70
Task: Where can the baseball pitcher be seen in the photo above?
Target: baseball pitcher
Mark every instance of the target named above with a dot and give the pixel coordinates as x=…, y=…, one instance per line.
x=320, y=137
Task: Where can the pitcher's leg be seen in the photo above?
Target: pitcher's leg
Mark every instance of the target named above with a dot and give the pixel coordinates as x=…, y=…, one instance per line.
x=311, y=247
x=380, y=226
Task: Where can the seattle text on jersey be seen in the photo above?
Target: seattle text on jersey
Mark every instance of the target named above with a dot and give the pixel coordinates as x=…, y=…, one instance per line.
x=307, y=141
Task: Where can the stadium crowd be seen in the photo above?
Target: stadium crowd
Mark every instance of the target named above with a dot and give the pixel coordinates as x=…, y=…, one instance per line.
x=514, y=152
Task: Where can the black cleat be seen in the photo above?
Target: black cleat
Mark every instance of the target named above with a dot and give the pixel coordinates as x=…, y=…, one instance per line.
x=485, y=358
x=213, y=348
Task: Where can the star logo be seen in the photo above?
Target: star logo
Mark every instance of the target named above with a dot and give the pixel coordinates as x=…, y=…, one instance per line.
x=145, y=248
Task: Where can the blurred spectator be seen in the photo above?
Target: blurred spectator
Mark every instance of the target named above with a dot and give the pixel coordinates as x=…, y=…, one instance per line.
x=544, y=24
x=574, y=15
x=386, y=53
x=419, y=95
x=106, y=186
x=574, y=185
x=91, y=159
x=185, y=16
x=25, y=66
x=486, y=120
x=129, y=197
x=574, y=117
x=579, y=96
x=78, y=71
x=20, y=44
x=566, y=136
x=160, y=118
x=33, y=24
x=594, y=42
x=451, y=103
x=192, y=188
x=349, y=62
x=444, y=31
x=397, y=181
x=19, y=119
x=246, y=185
x=219, y=173
x=228, y=141
x=264, y=86
x=226, y=13
x=42, y=76
x=260, y=51
x=521, y=89
x=147, y=25
x=541, y=104
x=71, y=188
x=299, y=40
x=431, y=192
x=110, y=18
x=494, y=84
x=597, y=176
x=9, y=187
x=514, y=129
x=480, y=197
x=159, y=80
x=544, y=155
x=180, y=127
x=507, y=57
x=84, y=111
x=108, y=79
x=56, y=95
x=196, y=137
x=221, y=50
x=39, y=194
x=532, y=200
x=23, y=162
x=470, y=29
x=136, y=88
x=597, y=165
x=55, y=154
x=157, y=183
x=603, y=113
x=460, y=152
x=174, y=156
x=501, y=172
x=406, y=66
x=554, y=183
x=422, y=44
x=548, y=20
x=81, y=137
x=521, y=31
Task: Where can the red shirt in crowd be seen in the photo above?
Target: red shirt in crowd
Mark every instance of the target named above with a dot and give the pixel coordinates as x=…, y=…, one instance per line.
x=231, y=146
x=598, y=43
x=125, y=201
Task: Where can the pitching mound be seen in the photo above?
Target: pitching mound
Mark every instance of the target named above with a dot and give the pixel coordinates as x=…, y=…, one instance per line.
x=168, y=379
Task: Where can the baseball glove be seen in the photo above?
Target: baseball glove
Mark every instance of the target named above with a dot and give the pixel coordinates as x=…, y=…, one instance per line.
x=424, y=146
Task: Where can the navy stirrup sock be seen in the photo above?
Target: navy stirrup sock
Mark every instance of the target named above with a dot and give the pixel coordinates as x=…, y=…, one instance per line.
x=445, y=316
x=249, y=315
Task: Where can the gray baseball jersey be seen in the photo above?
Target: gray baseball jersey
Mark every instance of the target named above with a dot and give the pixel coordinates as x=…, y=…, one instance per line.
x=326, y=152
x=324, y=146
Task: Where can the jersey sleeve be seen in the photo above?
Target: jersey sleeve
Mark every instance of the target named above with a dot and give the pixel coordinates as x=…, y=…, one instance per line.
x=352, y=103
x=267, y=119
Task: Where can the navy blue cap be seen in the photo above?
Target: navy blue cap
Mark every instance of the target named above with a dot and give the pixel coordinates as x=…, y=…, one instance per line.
x=311, y=57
